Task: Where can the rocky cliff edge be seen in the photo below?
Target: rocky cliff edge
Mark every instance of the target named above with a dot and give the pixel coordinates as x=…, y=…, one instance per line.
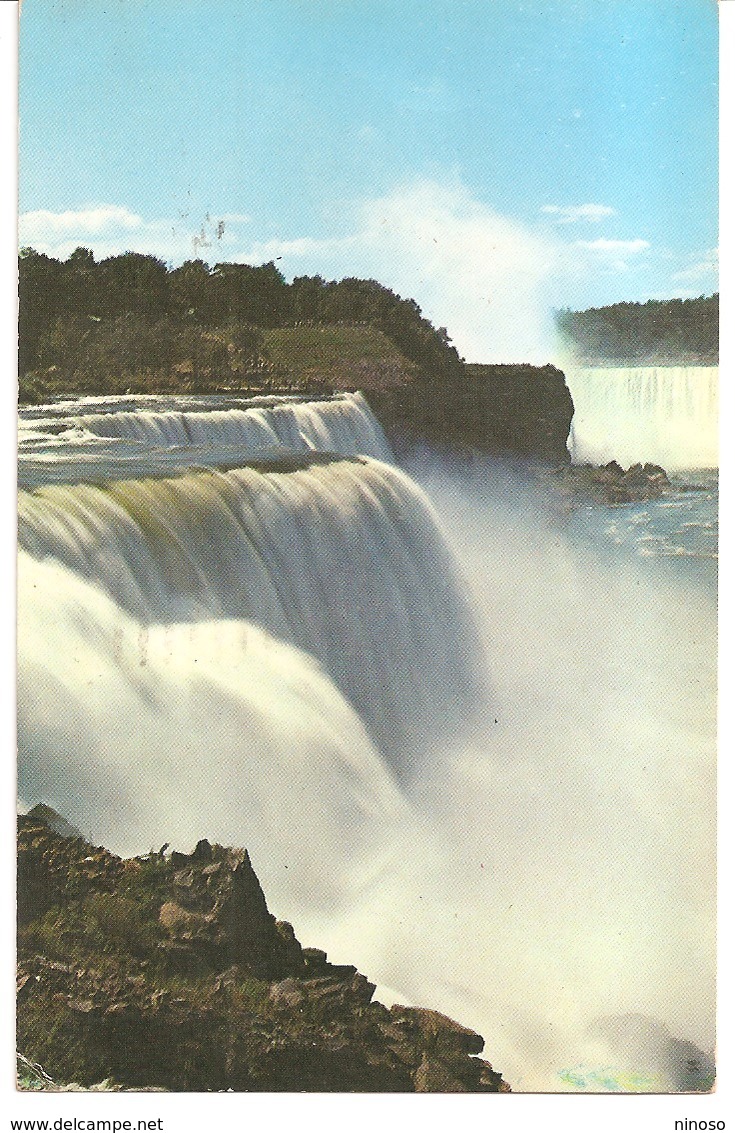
x=168, y=971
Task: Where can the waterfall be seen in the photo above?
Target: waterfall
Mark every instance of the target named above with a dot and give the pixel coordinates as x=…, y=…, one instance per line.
x=240, y=621
x=341, y=558
x=341, y=424
x=664, y=414
x=141, y=734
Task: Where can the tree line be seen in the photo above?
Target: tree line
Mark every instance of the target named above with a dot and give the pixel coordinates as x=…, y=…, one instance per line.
x=668, y=330
x=133, y=313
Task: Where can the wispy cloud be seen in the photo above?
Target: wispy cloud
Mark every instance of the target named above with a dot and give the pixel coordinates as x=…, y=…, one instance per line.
x=104, y=219
x=703, y=267
x=613, y=247
x=572, y=214
x=110, y=230
x=587, y=266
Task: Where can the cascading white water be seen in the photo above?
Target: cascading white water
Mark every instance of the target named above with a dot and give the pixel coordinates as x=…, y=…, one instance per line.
x=343, y=559
x=342, y=424
x=213, y=635
x=143, y=733
x=667, y=415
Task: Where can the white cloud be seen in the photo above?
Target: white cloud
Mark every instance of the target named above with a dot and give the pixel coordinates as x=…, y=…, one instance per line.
x=471, y=270
x=110, y=230
x=613, y=247
x=106, y=219
x=571, y=214
x=584, y=264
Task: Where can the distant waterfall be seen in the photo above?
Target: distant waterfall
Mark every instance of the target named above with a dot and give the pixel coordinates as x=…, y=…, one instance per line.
x=664, y=414
x=342, y=559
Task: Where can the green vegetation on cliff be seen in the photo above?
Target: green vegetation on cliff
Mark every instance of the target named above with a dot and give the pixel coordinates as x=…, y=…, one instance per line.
x=659, y=332
x=128, y=322
x=130, y=325
x=343, y=356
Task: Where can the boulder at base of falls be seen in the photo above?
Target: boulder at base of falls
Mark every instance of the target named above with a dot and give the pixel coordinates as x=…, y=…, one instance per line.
x=609, y=483
x=169, y=972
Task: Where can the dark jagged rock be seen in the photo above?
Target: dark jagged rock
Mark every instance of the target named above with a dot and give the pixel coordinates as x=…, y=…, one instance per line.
x=513, y=410
x=53, y=870
x=170, y=972
x=609, y=483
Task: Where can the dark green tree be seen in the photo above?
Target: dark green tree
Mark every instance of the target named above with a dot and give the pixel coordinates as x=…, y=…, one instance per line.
x=133, y=283
x=191, y=289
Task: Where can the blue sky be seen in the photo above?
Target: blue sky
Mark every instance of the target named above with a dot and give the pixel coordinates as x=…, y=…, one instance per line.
x=491, y=158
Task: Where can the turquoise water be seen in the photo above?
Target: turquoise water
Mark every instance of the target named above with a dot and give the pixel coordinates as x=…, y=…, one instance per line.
x=678, y=532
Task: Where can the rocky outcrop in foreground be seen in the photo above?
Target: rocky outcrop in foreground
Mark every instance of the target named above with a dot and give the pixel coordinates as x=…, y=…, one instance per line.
x=168, y=971
x=609, y=483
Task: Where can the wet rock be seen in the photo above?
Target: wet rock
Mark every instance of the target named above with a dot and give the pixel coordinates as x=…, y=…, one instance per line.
x=202, y=851
x=314, y=958
x=438, y=1031
x=287, y=993
x=52, y=867
x=177, y=919
x=579, y=484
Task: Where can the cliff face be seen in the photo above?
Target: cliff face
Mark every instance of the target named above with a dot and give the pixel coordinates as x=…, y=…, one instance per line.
x=169, y=971
x=520, y=411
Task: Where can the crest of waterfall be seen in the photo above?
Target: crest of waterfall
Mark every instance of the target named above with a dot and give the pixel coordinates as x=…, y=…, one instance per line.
x=150, y=432
x=664, y=414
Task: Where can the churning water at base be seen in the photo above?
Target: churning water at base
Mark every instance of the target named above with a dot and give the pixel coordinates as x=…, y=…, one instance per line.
x=664, y=414
x=285, y=655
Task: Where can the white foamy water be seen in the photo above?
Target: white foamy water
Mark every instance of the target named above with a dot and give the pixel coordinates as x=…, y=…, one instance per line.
x=667, y=415
x=342, y=559
x=150, y=435
x=143, y=732
x=289, y=655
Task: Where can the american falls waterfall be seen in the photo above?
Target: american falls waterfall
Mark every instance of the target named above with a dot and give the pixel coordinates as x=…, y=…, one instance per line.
x=664, y=414
x=467, y=752
x=341, y=559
